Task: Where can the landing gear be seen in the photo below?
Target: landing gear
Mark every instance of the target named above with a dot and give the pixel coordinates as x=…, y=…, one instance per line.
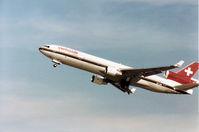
x=124, y=84
x=55, y=65
x=132, y=91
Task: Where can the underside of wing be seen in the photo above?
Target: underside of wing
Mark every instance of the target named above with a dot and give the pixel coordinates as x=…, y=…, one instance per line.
x=149, y=71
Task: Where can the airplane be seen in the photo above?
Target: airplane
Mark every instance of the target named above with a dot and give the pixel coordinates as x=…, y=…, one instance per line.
x=122, y=76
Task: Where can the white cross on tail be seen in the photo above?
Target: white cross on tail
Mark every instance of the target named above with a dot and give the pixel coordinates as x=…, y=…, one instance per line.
x=188, y=71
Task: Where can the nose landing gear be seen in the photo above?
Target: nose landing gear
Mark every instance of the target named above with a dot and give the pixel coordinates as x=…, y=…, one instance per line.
x=55, y=65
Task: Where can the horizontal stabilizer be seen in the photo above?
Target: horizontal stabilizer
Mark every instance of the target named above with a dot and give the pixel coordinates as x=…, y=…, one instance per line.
x=186, y=86
x=190, y=91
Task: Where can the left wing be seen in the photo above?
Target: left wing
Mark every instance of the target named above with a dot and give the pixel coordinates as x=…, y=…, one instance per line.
x=148, y=71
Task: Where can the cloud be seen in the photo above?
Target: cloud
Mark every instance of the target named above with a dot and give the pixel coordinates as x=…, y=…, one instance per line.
x=106, y=25
x=64, y=114
x=119, y=27
x=26, y=105
x=92, y=34
x=163, y=2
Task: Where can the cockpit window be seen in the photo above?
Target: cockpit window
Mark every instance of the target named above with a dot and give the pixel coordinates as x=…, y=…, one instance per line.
x=46, y=46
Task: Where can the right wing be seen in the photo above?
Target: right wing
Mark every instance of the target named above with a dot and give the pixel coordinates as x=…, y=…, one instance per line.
x=148, y=71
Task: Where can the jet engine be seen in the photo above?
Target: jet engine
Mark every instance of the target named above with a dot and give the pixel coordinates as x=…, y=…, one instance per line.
x=176, y=77
x=99, y=80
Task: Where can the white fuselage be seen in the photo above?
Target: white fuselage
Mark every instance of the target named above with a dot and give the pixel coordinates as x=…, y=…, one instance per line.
x=104, y=68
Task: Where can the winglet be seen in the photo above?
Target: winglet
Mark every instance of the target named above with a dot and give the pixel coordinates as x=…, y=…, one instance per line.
x=179, y=64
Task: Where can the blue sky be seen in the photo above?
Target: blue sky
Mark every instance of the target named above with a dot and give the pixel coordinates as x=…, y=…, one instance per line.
x=34, y=96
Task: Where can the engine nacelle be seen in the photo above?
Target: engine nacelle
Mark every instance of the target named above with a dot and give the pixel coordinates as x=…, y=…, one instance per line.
x=113, y=71
x=176, y=77
x=98, y=80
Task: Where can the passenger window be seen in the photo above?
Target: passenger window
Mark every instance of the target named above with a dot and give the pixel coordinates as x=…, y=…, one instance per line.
x=46, y=46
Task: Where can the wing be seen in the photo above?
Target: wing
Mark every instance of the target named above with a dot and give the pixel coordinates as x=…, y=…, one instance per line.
x=148, y=71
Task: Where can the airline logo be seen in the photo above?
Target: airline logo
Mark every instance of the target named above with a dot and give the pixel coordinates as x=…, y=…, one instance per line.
x=188, y=71
x=68, y=50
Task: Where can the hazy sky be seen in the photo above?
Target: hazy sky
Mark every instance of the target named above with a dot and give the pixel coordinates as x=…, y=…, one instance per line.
x=35, y=97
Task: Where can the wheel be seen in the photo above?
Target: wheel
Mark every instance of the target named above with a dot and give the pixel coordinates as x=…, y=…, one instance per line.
x=55, y=65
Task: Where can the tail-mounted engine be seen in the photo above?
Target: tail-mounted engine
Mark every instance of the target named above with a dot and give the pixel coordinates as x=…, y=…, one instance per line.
x=99, y=80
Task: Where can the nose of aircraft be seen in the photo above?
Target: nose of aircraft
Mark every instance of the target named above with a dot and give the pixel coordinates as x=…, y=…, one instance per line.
x=44, y=48
x=41, y=49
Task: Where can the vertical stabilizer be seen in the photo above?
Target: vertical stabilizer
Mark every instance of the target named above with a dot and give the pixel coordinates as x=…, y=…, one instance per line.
x=189, y=70
x=184, y=76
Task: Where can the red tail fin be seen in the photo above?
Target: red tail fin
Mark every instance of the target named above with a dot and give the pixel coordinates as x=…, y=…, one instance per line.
x=189, y=70
x=184, y=76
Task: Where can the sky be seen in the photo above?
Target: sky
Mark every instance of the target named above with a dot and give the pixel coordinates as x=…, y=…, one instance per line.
x=34, y=96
